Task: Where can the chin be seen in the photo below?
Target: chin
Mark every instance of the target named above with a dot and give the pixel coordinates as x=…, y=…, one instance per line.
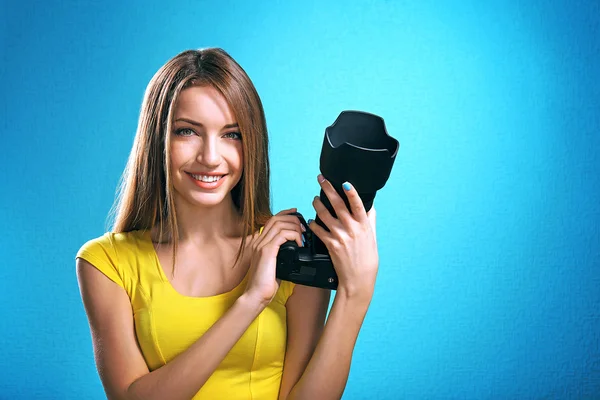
x=207, y=199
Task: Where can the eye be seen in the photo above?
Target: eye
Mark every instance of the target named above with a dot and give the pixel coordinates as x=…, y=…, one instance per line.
x=233, y=135
x=184, y=132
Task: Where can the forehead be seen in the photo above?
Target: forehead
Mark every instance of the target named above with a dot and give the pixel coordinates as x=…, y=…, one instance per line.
x=203, y=104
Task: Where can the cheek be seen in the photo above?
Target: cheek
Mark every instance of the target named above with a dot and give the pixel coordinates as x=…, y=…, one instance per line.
x=180, y=154
x=240, y=160
x=236, y=158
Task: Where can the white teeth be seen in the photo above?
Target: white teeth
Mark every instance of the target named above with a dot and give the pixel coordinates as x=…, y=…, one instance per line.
x=205, y=178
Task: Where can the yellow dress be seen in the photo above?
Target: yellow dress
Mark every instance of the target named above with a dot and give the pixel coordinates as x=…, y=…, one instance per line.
x=167, y=323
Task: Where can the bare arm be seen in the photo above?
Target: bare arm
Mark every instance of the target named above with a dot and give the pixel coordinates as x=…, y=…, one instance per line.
x=327, y=372
x=119, y=360
x=352, y=244
x=306, y=312
x=120, y=363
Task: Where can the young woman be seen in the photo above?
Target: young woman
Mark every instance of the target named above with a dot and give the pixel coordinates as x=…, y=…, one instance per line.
x=181, y=297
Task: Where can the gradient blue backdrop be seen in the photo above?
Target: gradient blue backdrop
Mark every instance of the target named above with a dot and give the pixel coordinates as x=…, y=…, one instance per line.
x=489, y=225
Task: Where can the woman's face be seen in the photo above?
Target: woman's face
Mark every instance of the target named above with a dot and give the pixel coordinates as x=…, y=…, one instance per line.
x=206, y=147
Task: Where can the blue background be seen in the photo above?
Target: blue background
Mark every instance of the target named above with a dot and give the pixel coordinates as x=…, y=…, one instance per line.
x=488, y=227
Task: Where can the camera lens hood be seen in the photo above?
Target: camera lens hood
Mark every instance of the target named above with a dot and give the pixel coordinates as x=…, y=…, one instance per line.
x=357, y=149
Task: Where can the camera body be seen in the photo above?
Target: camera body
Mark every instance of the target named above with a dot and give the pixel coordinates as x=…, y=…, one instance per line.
x=303, y=265
x=356, y=149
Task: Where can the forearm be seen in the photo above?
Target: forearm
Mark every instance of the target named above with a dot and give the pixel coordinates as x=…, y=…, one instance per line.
x=183, y=377
x=327, y=372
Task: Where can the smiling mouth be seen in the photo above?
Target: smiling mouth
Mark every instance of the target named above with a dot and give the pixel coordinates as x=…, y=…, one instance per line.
x=207, y=178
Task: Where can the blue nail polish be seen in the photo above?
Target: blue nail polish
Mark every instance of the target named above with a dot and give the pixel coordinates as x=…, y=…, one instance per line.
x=309, y=221
x=346, y=186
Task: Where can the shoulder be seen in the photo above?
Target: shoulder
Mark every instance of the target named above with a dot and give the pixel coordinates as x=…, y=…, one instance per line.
x=109, y=253
x=110, y=243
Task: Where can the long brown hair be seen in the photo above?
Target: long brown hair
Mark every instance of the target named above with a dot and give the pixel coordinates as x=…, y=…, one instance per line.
x=145, y=197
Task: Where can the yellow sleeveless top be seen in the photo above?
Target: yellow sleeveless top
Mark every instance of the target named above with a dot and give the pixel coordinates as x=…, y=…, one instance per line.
x=167, y=322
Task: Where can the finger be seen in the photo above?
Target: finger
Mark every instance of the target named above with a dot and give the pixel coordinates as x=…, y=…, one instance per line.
x=281, y=214
x=334, y=198
x=274, y=243
x=330, y=222
x=372, y=215
x=356, y=205
x=277, y=227
x=320, y=232
x=288, y=211
x=288, y=218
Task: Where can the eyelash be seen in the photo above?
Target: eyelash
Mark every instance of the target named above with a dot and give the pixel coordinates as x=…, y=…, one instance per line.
x=238, y=136
x=180, y=132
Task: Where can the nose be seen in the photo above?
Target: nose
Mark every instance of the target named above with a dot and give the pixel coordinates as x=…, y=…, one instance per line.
x=209, y=154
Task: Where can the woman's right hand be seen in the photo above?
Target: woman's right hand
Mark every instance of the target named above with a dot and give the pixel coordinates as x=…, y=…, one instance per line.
x=262, y=283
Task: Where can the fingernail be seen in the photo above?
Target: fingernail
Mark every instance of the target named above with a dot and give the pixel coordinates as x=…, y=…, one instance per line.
x=347, y=186
x=321, y=178
x=310, y=220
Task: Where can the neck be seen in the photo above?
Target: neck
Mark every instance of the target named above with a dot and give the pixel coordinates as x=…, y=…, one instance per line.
x=207, y=224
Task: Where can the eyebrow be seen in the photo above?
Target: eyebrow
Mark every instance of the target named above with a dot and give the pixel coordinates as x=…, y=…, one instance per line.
x=190, y=121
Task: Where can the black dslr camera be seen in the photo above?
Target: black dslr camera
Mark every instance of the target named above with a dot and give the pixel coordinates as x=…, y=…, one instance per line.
x=356, y=149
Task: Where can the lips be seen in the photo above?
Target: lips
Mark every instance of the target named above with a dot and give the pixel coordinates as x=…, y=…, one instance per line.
x=207, y=181
x=207, y=178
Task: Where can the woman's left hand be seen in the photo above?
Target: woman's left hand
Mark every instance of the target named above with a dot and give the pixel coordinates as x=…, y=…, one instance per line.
x=351, y=240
